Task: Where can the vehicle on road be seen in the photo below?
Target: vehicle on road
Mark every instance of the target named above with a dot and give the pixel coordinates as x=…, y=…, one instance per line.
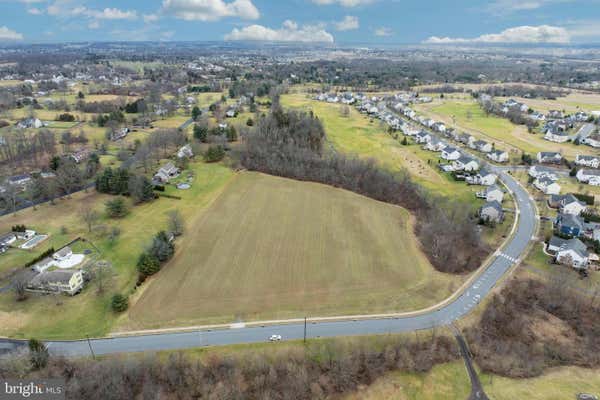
x=586, y=396
x=275, y=338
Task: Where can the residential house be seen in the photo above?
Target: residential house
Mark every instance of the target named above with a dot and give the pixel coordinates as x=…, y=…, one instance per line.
x=19, y=180
x=450, y=153
x=466, y=139
x=483, y=177
x=423, y=137
x=439, y=127
x=166, y=173
x=573, y=253
x=482, y=146
x=498, y=156
x=465, y=163
x=567, y=204
x=547, y=185
x=29, y=123
x=491, y=212
x=537, y=171
x=7, y=239
x=58, y=281
x=63, y=254
x=493, y=193
x=556, y=135
x=118, y=134
x=588, y=161
x=569, y=224
x=593, y=140
x=435, y=144
x=185, y=152
x=549, y=157
x=554, y=114
x=80, y=155
x=589, y=176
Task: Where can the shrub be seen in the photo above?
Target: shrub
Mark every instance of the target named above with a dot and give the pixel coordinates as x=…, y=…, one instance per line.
x=214, y=154
x=119, y=303
x=148, y=264
x=116, y=208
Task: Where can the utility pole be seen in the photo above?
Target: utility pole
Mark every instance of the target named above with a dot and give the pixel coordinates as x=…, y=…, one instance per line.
x=90, y=344
x=304, y=329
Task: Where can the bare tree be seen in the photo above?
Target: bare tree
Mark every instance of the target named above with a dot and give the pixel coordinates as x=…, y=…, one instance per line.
x=176, y=224
x=89, y=217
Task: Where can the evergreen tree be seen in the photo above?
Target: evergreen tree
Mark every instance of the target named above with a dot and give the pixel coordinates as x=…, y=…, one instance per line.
x=148, y=264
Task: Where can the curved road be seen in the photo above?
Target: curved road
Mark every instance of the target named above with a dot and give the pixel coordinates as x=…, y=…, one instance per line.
x=499, y=265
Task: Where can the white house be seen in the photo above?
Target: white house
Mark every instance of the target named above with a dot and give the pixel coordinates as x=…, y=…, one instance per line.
x=537, y=171
x=435, y=144
x=491, y=211
x=483, y=178
x=494, y=193
x=423, y=137
x=498, y=156
x=588, y=161
x=589, y=176
x=185, y=152
x=166, y=172
x=450, y=153
x=63, y=254
x=573, y=206
x=550, y=157
x=556, y=136
x=593, y=140
x=483, y=146
x=547, y=185
x=59, y=281
x=465, y=163
x=573, y=253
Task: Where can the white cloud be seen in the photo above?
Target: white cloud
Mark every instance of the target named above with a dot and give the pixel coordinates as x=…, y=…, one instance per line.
x=519, y=34
x=67, y=8
x=148, y=18
x=344, y=3
x=94, y=24
x=347, y=24
x=8, y=34
x=503, y=7
x=112, y=13
x=34, y=11
x=210, y=10
x=383, y=31
x=289, y=32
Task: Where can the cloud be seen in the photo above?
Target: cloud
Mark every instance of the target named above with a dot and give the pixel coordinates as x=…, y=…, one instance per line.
x=148, y=18
x=210, y=10
x=504, y=7
x=94, y=24
x=67, y=8
x=519, y=34
x=344, y=3
x=289, y=32
x=347, y=24
x=35, y=11
x=383, y=31
x=112, y=13
x=8, y=34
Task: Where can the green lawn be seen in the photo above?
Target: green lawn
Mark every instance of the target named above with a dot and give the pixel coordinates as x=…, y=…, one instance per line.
x=89, y=313
x=468, y=115
x=273, y=248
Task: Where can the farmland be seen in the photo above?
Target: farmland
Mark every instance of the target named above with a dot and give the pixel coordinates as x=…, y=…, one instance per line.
x=275, y=248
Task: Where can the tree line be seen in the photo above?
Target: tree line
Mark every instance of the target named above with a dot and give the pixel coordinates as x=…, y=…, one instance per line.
x=319, y=370
x=291, y=144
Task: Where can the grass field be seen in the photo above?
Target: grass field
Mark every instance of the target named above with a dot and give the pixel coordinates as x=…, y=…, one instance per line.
x=357, y=135
x=89, y=313
x=275, y=248
x=450, y=382
x=467, y=115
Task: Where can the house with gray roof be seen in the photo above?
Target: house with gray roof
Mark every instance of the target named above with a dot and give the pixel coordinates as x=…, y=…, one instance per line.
x=491, y=211
x=68, y=281
x=569, y=224
x=549, y=157
x=567, y=204
x=573, y=253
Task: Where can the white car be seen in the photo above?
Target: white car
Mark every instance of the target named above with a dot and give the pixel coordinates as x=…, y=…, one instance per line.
x=275, y=338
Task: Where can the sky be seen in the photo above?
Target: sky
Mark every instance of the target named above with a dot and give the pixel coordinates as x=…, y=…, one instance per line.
x=310, y=21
